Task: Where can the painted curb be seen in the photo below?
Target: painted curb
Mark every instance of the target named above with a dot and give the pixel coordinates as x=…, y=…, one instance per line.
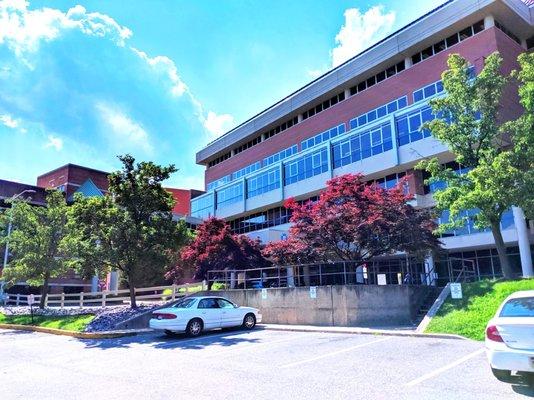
x=365, y=332
x=78, y=335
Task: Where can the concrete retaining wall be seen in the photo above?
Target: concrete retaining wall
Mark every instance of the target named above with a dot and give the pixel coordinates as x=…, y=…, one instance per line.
x=358, y=305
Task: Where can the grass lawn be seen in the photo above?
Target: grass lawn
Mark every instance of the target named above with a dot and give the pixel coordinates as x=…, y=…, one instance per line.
x=468, y=316
x=68, y=323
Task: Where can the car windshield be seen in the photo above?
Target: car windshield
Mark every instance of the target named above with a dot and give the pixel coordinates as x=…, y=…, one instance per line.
x=185, y=303
x=522, y=307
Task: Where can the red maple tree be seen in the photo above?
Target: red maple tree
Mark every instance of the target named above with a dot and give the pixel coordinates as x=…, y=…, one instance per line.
x=215, y=247
x=354, y=221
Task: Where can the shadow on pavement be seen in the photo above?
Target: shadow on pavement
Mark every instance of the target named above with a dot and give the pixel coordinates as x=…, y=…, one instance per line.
x=159, y=340
x=525, y=390
x=14, y=332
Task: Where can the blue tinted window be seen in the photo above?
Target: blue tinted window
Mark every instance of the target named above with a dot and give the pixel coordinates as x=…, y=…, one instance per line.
x=429, y=91
x=381, y=112
x=417, y=96
x=362, y=120
x=402, y=102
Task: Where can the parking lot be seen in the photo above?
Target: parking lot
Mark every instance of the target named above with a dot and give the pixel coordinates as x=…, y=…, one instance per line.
x=258, y=364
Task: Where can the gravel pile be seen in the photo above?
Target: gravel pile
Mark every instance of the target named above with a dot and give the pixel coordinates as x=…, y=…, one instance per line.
x=105, y=318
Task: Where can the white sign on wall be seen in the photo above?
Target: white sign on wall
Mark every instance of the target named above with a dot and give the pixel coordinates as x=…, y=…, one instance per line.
x=456, y=290
x=381, y=279
x=264, y=293
x=313, y=292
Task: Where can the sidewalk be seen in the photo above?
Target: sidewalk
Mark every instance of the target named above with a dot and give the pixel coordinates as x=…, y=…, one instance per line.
x=392, y=331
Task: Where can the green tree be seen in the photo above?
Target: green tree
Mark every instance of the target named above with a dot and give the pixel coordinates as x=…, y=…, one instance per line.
x=38, y=242
x=521, y=157
x=131, y=230
x=470, y=124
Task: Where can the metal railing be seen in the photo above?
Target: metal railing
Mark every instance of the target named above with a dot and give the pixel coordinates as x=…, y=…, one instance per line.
x=336, y=273
x=106, y=297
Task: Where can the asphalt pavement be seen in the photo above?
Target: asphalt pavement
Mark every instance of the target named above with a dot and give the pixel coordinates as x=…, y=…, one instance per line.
x=260, y=364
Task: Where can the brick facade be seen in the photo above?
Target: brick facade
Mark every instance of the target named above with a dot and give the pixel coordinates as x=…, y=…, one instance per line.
x=474, y=49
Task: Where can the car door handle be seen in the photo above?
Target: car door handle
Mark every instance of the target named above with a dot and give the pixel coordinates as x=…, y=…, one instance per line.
x=224, y=312
x=203, y=312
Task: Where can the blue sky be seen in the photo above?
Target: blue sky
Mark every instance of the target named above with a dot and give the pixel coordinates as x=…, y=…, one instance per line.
x=83, y=81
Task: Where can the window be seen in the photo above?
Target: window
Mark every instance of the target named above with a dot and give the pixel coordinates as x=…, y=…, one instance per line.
x=382, y=75
x=202, y=206
x=306, y=166
x=362, y=145
x=219, y=182
x=507, y=32
x=247, y=145
x=324, y=105
x=280, y=155
x=208, y=303
x=448, y=42
x=219, y=159
x=378, y=112
x=223, y=303
x=185, y=303
x=521, y=307
x=263, y=182
x=408, y=125
x=323, y=136
x=230, y=195
x=247, y=170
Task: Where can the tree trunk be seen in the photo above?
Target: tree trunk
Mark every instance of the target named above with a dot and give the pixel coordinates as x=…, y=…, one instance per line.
x=131, y=286
x=133, y=302
x=506, y=268
x=44, y=293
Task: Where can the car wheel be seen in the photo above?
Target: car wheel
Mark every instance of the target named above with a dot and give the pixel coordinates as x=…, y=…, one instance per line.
x=249, y=321
x=194, y=327
x=503, y=375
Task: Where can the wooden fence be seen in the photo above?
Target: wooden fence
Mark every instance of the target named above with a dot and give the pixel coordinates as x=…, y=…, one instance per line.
x=106, y=297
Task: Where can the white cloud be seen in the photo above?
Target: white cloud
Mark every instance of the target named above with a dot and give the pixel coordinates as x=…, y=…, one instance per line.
x=8, y=121
x=23, y=29
x=54, y=142
x=360, y=31
x=166, y=66
x=123, y=129
x=218, y=124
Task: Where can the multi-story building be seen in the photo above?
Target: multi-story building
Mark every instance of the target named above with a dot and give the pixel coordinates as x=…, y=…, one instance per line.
x=72, y=179
x=365, y=116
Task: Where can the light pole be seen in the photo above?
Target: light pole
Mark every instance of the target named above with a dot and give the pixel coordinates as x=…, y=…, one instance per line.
x=9, y=226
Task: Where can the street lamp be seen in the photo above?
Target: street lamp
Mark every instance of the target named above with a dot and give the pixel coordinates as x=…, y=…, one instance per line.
x=9, y=226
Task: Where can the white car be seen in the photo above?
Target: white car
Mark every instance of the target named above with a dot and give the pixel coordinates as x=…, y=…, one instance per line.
x=510, y=338
x=193, y=315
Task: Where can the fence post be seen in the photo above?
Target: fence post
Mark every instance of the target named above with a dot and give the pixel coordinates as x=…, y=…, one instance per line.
x=18, y=299
x=173, y=295
x=204, y=285
x=46, y=300
x=81, y=300
x=62, y=300
x=345, y=272
x=103, y=298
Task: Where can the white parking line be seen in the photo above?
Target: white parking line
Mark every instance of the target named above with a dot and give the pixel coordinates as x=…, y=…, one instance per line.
x=334, y=353
x=445, y=368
